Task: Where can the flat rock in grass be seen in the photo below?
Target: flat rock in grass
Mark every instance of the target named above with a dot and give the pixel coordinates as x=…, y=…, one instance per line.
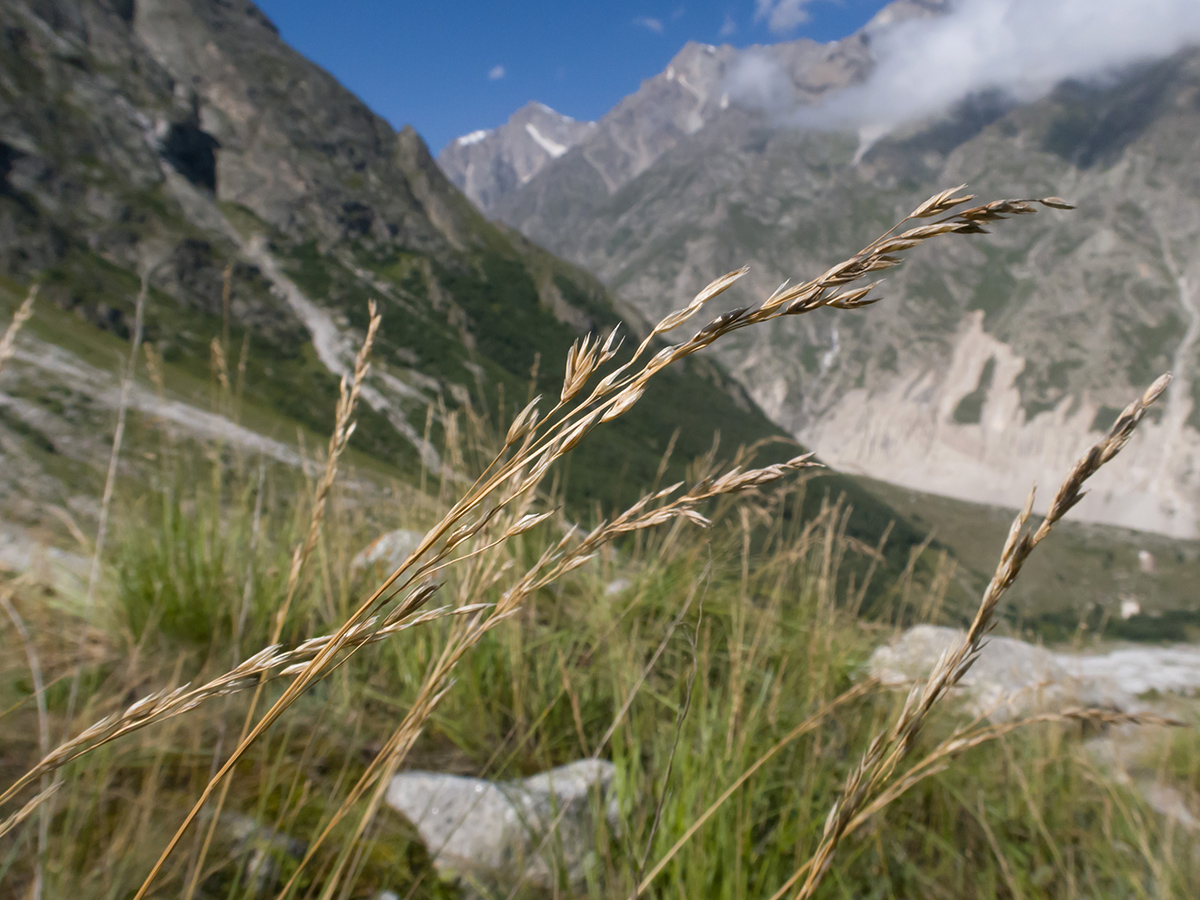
x=1140, y=670
x=388, y=550
x=541, y=830
x=1010, y=678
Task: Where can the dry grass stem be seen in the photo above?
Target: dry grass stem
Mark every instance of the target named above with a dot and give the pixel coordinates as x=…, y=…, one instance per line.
x=889, y=748
x=28, y=809
x=8, y=344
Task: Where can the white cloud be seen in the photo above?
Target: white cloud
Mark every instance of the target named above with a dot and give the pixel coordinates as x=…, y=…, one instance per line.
x=781, y=16
x=649, y=24
x=759, y=82
x=728, y=27
x=1022, y=48
x=496, y=73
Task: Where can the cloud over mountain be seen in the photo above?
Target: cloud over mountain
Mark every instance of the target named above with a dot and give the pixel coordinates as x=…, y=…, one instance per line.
x=1021, y=48
x=781, y=16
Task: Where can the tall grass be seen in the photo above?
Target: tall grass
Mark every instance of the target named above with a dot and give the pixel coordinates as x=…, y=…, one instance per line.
x=724, y=680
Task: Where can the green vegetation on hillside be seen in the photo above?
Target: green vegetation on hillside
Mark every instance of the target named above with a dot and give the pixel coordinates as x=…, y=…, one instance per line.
x=707, y=653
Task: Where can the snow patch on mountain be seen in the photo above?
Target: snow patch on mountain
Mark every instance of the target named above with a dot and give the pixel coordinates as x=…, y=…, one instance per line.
x=554, y=112
x=473, y=138
x=554, y=148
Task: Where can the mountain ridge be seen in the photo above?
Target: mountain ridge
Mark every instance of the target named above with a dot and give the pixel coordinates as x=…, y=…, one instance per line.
x=265, y=205
x=993, y=360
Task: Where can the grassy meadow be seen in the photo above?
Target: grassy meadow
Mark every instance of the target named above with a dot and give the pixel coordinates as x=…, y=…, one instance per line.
x=709, y=641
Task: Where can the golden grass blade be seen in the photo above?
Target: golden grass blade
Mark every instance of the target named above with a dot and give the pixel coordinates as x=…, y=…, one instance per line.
x=889, y=748
x=8, y=344
x=27, y=810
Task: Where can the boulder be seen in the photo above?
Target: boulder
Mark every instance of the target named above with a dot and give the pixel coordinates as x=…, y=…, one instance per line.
x=1010, y=678
x=491, y=835
x=388, y=550
x=1141, y=669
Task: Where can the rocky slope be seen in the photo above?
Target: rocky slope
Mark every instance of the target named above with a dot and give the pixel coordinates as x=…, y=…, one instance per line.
x=994, y=360
x=183, y=141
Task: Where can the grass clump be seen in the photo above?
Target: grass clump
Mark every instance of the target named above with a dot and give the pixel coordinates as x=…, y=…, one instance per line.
x=197, y=567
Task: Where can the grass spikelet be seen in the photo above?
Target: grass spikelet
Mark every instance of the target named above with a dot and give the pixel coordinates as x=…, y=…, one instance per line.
x=890, y=747
x=8, y=344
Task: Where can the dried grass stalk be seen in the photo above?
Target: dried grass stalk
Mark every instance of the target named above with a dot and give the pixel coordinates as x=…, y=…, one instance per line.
x=889, y=748
x=269, y=663
x=28, y=809
x=613, y=395
x=8, y=344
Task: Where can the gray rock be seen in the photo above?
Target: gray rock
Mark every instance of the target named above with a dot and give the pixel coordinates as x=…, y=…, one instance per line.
x=1140, y=670
x=1011, y=677
x=541, y=830
x=617, y=586
x=388, y=550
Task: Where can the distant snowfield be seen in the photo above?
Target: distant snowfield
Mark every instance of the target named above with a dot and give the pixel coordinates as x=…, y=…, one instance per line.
x=473, y=138
x=554, y=148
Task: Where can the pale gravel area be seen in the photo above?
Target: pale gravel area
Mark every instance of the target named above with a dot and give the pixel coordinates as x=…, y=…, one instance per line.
x=335, y=349
x=104, y=389
x=333, y=345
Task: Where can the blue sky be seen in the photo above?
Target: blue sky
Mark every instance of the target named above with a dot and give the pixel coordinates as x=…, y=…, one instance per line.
x=453, y=66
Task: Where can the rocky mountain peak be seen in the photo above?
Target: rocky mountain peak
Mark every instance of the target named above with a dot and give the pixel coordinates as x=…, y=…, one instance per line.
x=697, y=86
x=487, y=164
x=993, y=361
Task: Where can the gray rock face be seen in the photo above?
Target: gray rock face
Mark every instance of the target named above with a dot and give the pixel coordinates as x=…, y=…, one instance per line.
x=994, y=361
x=542, y=830
x=486, y=165
x=1013, y=678
x=388, y=550
x=1010, y=678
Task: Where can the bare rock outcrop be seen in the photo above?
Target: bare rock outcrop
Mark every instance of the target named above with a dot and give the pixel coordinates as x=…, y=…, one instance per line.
x=1014, y=678
x=491, y=835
